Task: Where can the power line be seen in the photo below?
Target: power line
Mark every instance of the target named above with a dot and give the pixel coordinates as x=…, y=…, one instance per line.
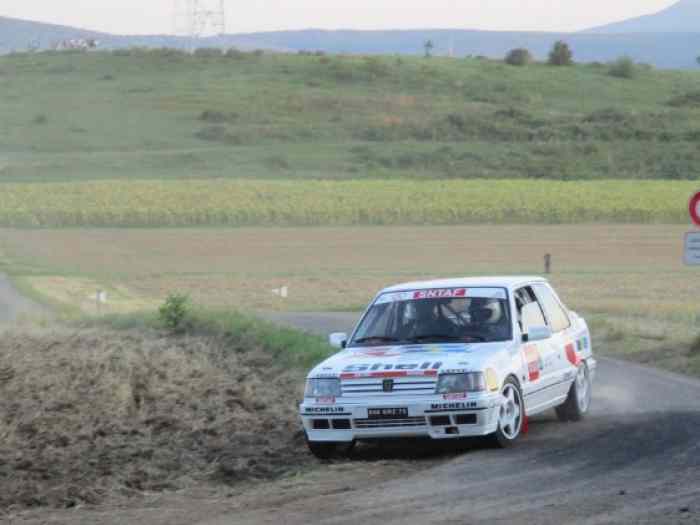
x=199, y=18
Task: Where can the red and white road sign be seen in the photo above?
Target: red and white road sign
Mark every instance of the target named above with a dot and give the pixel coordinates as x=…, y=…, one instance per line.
x=694, y=209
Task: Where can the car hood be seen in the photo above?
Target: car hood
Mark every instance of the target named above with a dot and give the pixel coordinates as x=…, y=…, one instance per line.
x=423, y=359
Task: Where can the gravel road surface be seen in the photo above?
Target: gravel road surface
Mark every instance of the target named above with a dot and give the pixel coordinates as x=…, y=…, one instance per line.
x=14, y=306
x=636, y=459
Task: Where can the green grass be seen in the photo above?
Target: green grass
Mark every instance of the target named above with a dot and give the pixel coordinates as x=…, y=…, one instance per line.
x=78, y=117
x=241, y=332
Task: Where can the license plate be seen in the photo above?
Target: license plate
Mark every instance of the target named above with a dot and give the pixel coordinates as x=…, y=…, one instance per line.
x=387, y=413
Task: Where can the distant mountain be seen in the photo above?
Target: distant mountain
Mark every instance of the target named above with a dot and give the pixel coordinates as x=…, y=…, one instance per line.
x=682, y=17
x=21, y=34
x=664, y=51
x=670, y=50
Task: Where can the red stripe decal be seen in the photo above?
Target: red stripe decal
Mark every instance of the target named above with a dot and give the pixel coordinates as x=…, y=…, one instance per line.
x=390, y=374
x=571, y=354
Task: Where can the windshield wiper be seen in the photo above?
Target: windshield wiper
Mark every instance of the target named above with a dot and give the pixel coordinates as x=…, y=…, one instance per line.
x=434, y=336
x=378, y=338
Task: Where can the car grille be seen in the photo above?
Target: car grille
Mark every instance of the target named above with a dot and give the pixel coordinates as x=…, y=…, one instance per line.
x=390, y=423
x=403, y=386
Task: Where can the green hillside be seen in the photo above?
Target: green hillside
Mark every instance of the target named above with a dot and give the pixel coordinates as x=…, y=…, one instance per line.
x=159, y=114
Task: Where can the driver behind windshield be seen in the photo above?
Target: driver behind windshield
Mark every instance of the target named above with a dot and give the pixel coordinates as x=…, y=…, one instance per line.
x=424, y=319
x=476, y=318
x=459, y=319
x=488, y=318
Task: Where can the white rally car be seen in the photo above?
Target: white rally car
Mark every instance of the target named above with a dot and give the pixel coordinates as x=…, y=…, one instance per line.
x=451, y=358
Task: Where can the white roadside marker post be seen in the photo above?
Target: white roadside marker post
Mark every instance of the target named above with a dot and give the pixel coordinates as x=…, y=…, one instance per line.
x=100, y=299
x=281, y=292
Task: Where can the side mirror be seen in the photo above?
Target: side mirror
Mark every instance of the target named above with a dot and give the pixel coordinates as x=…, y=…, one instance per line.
x=538, y=333
x=338, y=340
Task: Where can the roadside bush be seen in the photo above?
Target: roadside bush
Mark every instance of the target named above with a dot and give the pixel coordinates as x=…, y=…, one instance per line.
x=561, y=54
x=217, y=117
x=519, y=57
x=174, y=312
x=606, y=116
x=164, y=52
x=695, y=346
x=40, y=119
x=623, y=67
x=62, y=69
x=277, y=162
x=688, y=100
x=208, y=52
x=234, y=53
x=457, y=121
x=342, y=71
x=376, y=67
x=212, y=134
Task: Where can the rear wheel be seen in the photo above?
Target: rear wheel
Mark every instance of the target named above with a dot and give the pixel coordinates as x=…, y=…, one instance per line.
x=579, y=399
x=510, y=415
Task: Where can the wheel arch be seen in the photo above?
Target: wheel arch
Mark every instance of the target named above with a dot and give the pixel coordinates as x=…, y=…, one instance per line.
x=515, y=378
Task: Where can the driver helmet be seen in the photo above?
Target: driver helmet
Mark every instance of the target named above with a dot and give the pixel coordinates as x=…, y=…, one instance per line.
x=488, y=305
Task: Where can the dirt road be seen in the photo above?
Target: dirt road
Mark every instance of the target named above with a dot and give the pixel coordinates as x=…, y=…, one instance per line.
x=14, y=306
x=636, y=459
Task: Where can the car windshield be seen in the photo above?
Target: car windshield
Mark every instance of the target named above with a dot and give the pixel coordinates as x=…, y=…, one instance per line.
x=436, y=316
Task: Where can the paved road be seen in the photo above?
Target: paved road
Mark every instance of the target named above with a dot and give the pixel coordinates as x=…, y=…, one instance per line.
x=635, y=459
x=14, y=306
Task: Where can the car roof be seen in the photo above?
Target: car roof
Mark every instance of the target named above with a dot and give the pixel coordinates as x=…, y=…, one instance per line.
x=508, y=282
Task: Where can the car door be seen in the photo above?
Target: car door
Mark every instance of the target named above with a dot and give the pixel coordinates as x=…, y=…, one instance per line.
x=562, y=342
x=540, y=357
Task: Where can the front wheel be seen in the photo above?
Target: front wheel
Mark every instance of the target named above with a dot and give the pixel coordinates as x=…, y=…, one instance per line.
x=510, y=415
x=322, y=450
x=579, y=399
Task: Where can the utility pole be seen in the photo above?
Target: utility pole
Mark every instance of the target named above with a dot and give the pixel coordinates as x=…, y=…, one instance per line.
x=453, y=16
x=198, y=19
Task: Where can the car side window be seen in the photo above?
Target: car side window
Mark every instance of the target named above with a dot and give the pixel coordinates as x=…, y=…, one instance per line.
x=558, y=319
x=523, y=297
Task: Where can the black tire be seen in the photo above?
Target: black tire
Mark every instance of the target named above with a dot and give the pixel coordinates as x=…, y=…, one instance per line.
x=322, y=450
x=578, y=401
x=506, y=437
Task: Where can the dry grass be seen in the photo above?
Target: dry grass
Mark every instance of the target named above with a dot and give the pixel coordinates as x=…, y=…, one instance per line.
x=627, y=279
x=93, y=414
x=83, y=294
x=616, y=269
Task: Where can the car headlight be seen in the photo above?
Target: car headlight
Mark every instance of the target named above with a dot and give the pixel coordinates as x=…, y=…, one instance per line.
x=324, y=387
x=458, y=383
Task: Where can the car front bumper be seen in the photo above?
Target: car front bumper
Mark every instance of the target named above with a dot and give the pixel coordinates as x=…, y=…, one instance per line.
x=436, y=417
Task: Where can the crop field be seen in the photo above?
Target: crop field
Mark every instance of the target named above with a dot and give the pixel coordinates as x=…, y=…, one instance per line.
x=628, y=280
x=319, y=203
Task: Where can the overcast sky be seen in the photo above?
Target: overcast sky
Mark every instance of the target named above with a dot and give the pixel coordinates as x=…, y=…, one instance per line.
x=155, y=16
